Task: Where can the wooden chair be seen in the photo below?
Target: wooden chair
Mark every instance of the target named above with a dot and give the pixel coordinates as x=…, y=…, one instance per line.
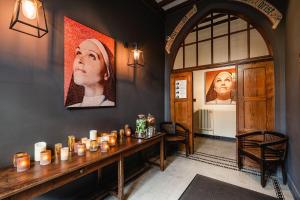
x=176, y=132
x=266, y=148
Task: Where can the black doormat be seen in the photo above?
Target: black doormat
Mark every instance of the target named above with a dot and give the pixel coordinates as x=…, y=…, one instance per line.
x=205, y=188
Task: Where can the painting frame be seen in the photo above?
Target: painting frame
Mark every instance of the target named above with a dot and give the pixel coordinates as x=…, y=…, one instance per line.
x=220, y=86
x=89, y=67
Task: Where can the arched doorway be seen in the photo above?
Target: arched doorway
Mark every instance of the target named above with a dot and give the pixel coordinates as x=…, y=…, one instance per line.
x=224, y=42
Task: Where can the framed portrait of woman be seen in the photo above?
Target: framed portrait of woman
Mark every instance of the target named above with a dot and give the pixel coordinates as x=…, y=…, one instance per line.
x=89, y=67
x=220, y=87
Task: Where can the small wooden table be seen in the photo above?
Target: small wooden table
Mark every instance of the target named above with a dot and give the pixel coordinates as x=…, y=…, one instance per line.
x=41, y=179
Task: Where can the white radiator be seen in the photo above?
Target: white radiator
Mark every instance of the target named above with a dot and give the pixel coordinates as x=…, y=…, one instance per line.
x=206, y=125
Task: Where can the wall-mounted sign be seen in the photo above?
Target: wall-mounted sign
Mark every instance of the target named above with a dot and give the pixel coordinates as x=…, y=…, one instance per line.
x=184, y=20
x=180, y=89
x=267, y=9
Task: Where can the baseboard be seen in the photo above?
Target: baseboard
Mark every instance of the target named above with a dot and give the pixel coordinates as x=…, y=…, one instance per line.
x=215, y=137
x=294, y=190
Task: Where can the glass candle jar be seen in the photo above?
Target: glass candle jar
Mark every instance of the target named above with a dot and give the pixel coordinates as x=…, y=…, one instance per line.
x=57, y=149
x=64, y=153
x=23, y=163
x=81, y=149
x=128, y=132
x=112, y=140
x=45, y=157
x=94, y=145
x=104, y=147
x=18, y=155
x=71, y=142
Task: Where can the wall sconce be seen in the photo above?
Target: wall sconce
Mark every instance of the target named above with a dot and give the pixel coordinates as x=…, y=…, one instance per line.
x=135, y=56
x=29, y=18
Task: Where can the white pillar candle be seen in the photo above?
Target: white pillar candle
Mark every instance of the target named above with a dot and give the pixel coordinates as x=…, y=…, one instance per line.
x=93, y=134
x=38, y=148
x=64, y=153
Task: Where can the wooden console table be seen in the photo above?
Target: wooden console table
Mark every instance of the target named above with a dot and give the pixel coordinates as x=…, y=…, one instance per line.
x=41, y=179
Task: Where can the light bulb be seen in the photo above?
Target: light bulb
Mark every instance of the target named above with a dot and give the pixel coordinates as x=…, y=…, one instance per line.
x=136, y=54
x=29, y=9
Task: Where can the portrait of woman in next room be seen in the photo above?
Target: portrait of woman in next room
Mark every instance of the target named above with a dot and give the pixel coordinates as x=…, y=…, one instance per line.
x=92, y=83
x=222, y=89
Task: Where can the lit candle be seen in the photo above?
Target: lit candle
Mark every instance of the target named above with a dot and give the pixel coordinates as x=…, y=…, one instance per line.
x=93, y=134
x=23, y=163
x=57, y=149
x=114, y=133
x=94, y=145
x=99, y=140
x=126, y=127
x=71, y=141
x=112, y=140
x=18, y=155
x=128, y=132
x=81, y=149
x=105, y=138
x=45, y=157
x=83, y=140
x=88, y=144
x=104, y=147
x=64, y=153
x=76, y=147
x=38, y=147
x=121, y=133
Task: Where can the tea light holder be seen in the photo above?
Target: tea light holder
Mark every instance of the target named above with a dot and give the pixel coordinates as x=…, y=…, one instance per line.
x=18, y=155
x=88, y=144
x=71, y=142
x=64, y=153
x=45, y=157
x=105, y=138
x=23, y=163
x=104, y=147
x=76, y=147
x=114, y=133
x=128, y=132
x=121, y=133
x=38, y=147
x=112, y=140
x=83, y=140
x=93, y=134
x=99, y=140
x=126, y=127
x=81, y=149
x=94, y=145
x=57, y=149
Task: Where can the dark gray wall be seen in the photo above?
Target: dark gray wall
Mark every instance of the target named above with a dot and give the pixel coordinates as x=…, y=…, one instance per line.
x=293, y=94
x=31, y=74
x=275, y=37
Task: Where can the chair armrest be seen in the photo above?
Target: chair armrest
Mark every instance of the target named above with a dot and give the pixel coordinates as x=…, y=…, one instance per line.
x=280, y=141
x=184, y=130
x=251, y=133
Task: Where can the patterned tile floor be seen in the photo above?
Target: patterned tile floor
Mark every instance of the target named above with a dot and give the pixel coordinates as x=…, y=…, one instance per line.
x=214, y=159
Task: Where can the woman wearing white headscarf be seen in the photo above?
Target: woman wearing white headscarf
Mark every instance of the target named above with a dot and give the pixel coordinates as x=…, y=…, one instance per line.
x=92, y=80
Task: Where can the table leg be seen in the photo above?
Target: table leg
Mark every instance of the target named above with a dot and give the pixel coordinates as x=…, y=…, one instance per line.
x=99, y=176
x=162, y=154
x=121, y=178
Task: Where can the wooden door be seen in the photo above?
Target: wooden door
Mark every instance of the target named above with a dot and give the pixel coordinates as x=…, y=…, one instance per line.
x=256, y=96
x=182, y=104
x=255, y=99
